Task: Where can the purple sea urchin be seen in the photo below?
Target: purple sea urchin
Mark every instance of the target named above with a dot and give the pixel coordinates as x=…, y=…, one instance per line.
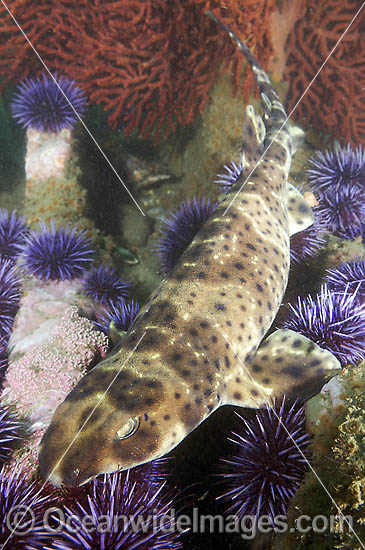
x=124, y=513
x=227, y=180
x=180, y=228
x=121, y=314
x=57, y=254
x=104, y=286
x=349, y=275
x=4, y=358
x=40, y=104
x=343, y=211
x=331, y=170
x=12, y=233
x=22, y=509
x=269, y=464
x=305, y=244
x=9, y=296
x=9, y=431
x=334, y=321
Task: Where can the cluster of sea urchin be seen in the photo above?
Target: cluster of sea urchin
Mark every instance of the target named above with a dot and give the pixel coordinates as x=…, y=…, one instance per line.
x=338, y=178
x=9, y=296
x=13, y=230
x=48, y=104
x=22, y=509
x=104, y=286
x=269, y=463
x=349, y=275
x=180, y=228
x=121, y=315
x=333, y=320
x=142, y=511
x=9, y=431
x=56, y=254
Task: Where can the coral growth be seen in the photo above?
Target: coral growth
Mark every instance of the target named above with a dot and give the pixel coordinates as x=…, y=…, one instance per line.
x=335, y=488
x=41, y=103
x=40, y=380
x=151, y=64
x=334, y=103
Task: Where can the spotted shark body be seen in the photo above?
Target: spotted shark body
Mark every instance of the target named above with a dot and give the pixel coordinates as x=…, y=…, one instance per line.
x=195, y=345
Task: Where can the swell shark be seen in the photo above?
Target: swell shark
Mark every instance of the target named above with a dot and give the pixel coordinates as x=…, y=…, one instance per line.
x=198, y=342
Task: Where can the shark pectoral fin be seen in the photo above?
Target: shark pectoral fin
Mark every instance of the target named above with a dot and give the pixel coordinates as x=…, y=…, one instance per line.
x=253, y=137
x=290, y=364
x=300, y=214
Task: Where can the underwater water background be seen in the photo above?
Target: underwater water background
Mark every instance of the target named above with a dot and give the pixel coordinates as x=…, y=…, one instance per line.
x=161, y=90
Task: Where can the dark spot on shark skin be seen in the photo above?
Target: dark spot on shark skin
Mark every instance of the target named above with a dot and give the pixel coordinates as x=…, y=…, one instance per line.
x=90, y=414
x=295, y=371
x=254, y=393
x=315, y=363
x=256, y=368
x=297, y=343
x=237, y=395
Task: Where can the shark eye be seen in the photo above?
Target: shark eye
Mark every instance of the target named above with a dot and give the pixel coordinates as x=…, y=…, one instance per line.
x=129, y=428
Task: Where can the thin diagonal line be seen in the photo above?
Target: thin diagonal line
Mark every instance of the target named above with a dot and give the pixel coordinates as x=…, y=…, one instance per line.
x=72, y=107
x=296, y=105
x=268, y=404
x=74, y=439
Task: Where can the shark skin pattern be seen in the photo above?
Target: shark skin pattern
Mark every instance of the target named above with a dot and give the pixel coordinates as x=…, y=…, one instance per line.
x=192, y=348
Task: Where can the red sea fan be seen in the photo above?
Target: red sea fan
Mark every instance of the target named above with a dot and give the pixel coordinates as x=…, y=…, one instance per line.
x=335, y=102
x=151, y=64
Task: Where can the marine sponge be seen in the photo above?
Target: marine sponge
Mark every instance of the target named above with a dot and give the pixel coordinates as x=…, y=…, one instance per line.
x=335, y=322
x=104, y=286
x=180, y=228
x=40, y=104
x=269, y=464
x=12, y=233
x=57, y=253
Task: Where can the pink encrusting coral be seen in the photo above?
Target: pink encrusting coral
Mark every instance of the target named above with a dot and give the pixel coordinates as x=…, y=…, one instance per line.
x=40, y=380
